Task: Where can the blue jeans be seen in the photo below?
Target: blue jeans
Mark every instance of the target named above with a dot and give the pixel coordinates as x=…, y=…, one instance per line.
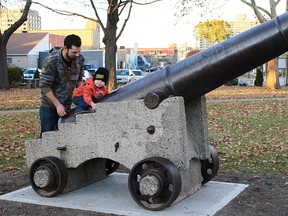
x=48, y=119
x=80, y=104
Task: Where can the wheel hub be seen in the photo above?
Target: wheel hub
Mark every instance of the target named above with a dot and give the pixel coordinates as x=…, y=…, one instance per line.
x=43, y=177
x=149, y=185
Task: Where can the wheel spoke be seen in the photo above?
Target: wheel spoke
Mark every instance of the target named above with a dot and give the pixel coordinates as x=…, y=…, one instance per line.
x=210, y=166
x=111, y=166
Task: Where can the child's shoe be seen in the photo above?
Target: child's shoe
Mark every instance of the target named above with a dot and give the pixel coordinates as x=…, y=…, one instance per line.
x=80, y=112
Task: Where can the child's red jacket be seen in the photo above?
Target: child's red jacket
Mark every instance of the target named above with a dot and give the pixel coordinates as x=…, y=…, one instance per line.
x=88, y=90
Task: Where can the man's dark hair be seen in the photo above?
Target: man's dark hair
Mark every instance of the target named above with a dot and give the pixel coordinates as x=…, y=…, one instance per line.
x=72, y=40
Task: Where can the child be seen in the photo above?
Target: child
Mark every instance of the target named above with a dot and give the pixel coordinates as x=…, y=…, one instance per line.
x=86, y=95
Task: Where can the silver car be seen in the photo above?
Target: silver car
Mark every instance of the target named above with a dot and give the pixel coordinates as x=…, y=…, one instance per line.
x=138, y=73
x=125, y=76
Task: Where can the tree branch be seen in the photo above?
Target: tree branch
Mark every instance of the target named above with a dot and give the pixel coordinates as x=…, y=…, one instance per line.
x=18, y=23
x=97, y=15
x=125, y=22
x=147, y=3
x=67, y=13
x=257, y=10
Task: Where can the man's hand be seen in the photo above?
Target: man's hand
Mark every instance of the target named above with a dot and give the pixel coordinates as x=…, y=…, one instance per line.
x=61, y=110
x=59, y=107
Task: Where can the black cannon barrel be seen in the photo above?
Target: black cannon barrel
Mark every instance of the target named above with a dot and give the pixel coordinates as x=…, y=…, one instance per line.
x=213, y=67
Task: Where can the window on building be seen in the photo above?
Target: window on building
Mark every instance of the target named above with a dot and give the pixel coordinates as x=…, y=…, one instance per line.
x=9, y=61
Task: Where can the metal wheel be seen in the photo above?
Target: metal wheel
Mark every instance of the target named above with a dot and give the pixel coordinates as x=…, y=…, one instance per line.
x=210, y=166
x=48, y=176
x=111, y=166
x=154, y=183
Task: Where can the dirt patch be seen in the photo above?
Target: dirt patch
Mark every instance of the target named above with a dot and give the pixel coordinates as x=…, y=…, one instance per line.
x=267, y=195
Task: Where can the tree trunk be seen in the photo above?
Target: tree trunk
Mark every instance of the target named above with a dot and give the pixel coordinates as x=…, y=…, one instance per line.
x=4, y=81
x=272, y=77
x=110, y=40
x=110, y=63
x=286, y=72
x=110, y=58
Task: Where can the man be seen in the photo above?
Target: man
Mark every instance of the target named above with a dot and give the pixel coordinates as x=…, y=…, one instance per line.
x=62, y=72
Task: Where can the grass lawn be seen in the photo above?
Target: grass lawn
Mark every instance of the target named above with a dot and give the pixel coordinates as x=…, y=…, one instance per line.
x=249, y=136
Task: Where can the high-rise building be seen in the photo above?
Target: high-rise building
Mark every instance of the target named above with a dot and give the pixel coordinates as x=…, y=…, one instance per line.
x=10, y=16
x=240, y=24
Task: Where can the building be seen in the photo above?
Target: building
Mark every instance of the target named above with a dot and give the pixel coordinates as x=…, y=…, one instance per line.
x=146, y=58
x=9, y=17
x=23, y=48
x=90, y=36
x=160, y=57
x=240, y=24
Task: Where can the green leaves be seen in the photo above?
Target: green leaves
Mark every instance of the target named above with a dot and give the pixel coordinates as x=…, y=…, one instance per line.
x=214, y=31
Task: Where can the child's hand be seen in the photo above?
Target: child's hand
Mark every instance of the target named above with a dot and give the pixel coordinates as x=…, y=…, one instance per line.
x=93, y=105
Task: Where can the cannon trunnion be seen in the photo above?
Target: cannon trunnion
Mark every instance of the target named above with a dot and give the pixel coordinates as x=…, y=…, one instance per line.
x=156, y=126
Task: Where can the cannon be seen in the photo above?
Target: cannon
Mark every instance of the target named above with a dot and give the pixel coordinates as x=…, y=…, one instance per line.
x=156, y=126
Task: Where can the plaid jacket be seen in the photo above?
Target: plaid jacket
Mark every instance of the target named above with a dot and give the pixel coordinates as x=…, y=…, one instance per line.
x=59, y=79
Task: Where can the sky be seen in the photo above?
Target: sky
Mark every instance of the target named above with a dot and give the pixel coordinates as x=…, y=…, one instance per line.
x=149, y=26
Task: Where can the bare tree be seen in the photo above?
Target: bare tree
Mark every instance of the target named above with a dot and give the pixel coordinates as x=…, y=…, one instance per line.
x=115, y=10
x=262, y=14
x=4, y=37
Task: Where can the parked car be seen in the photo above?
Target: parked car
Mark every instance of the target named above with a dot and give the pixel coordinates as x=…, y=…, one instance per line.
x=23, y=69
x=88, y=66
x=232, y=82
x=152, y=69
x=125, y=76
x=86, y=75
x=138, y=73
x=29, y=73
x=92, y=71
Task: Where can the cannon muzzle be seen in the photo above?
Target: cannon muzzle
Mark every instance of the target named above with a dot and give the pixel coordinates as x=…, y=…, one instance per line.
x=213, y=67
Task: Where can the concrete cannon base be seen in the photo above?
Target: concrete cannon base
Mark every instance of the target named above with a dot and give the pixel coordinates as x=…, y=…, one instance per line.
x=121, y=132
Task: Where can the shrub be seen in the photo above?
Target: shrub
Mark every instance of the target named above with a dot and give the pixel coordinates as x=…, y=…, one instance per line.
x=14, y=75
x=36, y=75
x=259, y=78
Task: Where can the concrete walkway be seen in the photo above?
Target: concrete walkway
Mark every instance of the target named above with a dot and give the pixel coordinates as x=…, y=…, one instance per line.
x=18, y=111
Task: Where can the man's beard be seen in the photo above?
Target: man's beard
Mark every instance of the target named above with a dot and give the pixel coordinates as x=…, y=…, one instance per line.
x=71, y=58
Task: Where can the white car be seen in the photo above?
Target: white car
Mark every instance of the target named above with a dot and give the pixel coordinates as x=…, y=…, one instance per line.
x=29, y=73
x=125, y=76
x=138, y=73
x=89, y=73
x=86, y=75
